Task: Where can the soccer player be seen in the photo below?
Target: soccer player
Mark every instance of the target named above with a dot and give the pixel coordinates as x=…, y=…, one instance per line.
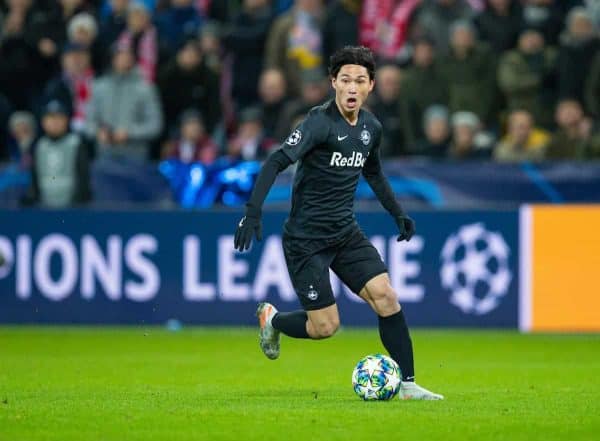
x=334, y=144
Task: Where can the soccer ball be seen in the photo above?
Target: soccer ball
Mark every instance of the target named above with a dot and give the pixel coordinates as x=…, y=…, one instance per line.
x=376, y=377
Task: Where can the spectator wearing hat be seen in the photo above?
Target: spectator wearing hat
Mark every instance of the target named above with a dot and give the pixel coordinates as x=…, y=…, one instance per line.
x=575, y=138
x=73, y=86
x=436, y=127
x=142, y=37
x=545, y=16
x=524, y=141
x=314, y=90
x=83, y=30
x=470, y=72
x=383, y=102
x=499, y=24
x=23, y=133
x=192, y=144
x=249, y=142
x=295, y=43
x=60, y=172
x=179, y=19
x=187, y=82
x=579, y=45
x=272, y=90
x=423, y=85
x=125, y=113
x=467, y=140
x=525, y=74
x=245, y=41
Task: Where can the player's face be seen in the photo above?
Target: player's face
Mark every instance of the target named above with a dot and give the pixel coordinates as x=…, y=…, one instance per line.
x=352, y=86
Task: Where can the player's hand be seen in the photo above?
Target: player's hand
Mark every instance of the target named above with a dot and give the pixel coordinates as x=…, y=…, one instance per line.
x=247, y=227
x=406, y=228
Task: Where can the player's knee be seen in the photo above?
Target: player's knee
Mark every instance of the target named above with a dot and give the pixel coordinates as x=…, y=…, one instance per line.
x=327, y=328
x=385, y=301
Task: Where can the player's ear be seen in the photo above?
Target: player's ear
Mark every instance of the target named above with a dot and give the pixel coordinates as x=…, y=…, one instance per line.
x=371, y=85
x=333, y=82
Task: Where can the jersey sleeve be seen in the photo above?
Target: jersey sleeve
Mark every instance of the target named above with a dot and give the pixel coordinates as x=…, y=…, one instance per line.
x=310, y=133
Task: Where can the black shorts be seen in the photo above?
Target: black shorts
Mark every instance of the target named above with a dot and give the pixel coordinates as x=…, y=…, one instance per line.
x=352, y=258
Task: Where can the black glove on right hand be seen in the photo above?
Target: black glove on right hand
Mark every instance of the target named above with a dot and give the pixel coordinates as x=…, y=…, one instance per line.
x=406, y=228
x=247, y=227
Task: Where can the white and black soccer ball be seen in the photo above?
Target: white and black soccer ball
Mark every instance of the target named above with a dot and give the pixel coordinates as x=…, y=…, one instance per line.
x=475, y=269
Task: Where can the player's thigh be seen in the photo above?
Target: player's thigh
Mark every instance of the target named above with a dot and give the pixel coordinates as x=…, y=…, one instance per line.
x=357, y=262
x=309, y=273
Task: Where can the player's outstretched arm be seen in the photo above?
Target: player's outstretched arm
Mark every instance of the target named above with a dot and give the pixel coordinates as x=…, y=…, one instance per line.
x=374, y=176
x=250, y=224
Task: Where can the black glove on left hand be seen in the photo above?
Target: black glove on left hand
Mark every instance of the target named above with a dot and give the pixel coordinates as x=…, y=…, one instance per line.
x=247, y=227
x=406, y=228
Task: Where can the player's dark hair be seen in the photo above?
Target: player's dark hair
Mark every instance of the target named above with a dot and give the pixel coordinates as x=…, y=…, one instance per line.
x=359, y=55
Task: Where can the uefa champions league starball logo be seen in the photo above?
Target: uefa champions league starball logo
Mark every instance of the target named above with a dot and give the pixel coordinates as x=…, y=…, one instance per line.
x=475, y=269
x=294, y=138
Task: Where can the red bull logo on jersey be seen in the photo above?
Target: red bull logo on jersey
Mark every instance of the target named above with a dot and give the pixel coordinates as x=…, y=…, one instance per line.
x=355, y=160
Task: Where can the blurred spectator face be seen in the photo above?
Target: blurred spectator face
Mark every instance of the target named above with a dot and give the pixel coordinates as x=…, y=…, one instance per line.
x=464, y=136
x=500, y=5
x=209, y=43
x=83, y=29
x=192, y=130
x=437, y=130
x=55, y=124
x=423, y=55
x=19, y=5
x=462, y=39
x=250, y=5
x=189, y=57
x=531, y=42
x=119, y=6
x=311, y=6
x=313, y=92
x=580, y=26
x=138, y=20
x=181, y=3
x=387, y=83
x=75, y=63
x=271, y=86
x=520, y=124
x=569, y=113
x=22, y=132
x=123, y=61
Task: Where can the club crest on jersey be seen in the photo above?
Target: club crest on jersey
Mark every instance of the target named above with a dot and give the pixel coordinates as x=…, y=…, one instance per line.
x=365, y=137
x=294, y=138
x=355, y=160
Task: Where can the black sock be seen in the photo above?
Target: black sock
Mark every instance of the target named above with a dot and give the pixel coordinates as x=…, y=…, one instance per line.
x=292, y=324
x=396, y=339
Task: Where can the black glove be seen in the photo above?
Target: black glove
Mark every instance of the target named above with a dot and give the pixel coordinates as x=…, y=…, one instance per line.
x=247, y=227
x=406, y=228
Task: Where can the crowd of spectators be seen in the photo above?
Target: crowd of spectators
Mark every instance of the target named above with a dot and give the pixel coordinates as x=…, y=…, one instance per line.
x=198, y=80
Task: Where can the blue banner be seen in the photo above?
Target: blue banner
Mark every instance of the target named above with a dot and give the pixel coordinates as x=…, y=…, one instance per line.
x=146, y=267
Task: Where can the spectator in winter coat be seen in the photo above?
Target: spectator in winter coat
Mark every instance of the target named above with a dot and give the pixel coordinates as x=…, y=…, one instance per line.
x=249, y=142
x=525, y=77
x=60, y=173
x=187, y=83
x=245, y=40
x=523, y=142
x=544, y=16
x=73, y=87
x=23, y=134
x=575, y=138
x=273, y=99
x=470, y=71
x=465, y=143
x=295, y=43
x=192, y=143
x=437, y=133
x=83, y=30
x=422, y=86
x=579, y=45
x=181, y=18
x=499, y=24
x=125, y=113
x=436, y=17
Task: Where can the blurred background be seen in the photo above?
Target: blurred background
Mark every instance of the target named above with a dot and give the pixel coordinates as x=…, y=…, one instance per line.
x=131, y=133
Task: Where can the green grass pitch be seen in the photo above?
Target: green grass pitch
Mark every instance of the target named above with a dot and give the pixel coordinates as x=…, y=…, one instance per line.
x=215, y=384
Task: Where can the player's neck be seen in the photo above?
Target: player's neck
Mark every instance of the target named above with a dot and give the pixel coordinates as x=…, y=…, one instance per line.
x=350, y=117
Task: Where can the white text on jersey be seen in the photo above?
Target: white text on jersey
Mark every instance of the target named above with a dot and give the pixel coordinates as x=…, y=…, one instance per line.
x=355, y=160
